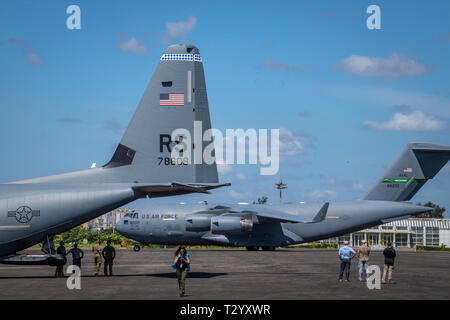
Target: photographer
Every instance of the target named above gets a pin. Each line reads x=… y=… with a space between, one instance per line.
x=182 y=264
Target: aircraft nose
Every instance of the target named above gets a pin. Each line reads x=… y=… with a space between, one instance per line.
x=120 y=226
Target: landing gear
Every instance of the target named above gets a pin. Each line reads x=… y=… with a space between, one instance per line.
x=252 y=248
x=268 y=248
x=137 y=248
x=48 y=247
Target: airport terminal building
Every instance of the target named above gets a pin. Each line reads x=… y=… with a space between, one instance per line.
x=405 y=233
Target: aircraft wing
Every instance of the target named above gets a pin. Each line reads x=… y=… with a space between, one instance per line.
x=155 y=190
x=267 y=214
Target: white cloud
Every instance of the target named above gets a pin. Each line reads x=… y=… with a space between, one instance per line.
x=241 y=176
x=115 y=127
x=357 y=186
x=391 y=68
x=415 y=121
x=224 y=168
x=181 y=29
x=430 y=103
x=292 y=143
x=321 y=194
x=332 y=181
x=33 y=58
x=134 y=46
x=239 y=195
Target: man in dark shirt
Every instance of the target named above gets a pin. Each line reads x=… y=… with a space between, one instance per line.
x=77 y=255
x=108 y=253
x=62 y=252
x=389 y=259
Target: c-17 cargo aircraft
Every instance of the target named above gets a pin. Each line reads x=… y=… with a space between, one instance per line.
x=271 y=226
x=32 y=211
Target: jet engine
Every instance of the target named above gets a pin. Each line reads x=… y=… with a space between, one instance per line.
x=198 y=222
x=230 y=225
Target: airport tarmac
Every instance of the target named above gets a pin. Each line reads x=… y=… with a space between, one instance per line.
x=233 y=274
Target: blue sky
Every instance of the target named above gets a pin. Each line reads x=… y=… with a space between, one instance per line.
x=66 y=95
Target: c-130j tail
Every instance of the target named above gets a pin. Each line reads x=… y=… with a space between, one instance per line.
x=175 y=97
x=33 y=210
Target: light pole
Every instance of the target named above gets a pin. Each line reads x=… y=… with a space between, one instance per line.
x=281 y=186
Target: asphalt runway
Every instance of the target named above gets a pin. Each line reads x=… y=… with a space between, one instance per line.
x=290 y=274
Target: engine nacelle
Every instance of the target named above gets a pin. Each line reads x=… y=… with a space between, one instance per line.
x=198 y=222
x=230 y=225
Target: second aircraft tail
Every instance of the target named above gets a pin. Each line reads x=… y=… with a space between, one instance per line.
x=417 y=163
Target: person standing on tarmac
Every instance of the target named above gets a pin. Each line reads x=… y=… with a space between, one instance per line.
x=77 y=255
x=389 y=259
x=62 y=252
x=182 y=263
x=346 y=255
x=363 y=264
x=108 y=253
x=97 y=250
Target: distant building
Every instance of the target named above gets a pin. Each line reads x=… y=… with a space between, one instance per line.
x=402 y=233
x=106 y=221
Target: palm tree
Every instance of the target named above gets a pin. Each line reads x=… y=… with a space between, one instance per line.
x=281 y=186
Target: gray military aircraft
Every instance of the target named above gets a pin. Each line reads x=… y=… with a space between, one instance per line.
x=271 y=226
x=33 y=210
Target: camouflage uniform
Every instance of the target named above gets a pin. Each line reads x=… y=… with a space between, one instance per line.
x=97 y=250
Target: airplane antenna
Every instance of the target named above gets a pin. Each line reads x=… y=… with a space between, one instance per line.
x=281 y=186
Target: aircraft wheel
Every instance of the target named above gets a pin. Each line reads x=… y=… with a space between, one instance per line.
x=136 y=248
x=269 y=248
x=252 y=248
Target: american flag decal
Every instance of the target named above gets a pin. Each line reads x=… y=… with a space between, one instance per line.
x=408 y=170
x=171 y=99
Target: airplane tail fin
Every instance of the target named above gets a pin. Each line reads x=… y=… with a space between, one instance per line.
x=417 y=163
x=175 y=98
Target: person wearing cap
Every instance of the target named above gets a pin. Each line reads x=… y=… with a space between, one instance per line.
x=182 y=263
x=346 y=255
x=363 y=264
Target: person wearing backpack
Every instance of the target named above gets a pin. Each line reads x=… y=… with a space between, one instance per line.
x=182 y=263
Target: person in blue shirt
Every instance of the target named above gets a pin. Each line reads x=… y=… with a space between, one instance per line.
x=346 y=255
x=182 y=263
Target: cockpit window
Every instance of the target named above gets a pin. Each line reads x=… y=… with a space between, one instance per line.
x=132 y=215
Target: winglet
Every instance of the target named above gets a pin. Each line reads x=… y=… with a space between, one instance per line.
x=320 y=216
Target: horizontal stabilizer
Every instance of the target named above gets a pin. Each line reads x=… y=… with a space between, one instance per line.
x=45 y=259
x=175 y=188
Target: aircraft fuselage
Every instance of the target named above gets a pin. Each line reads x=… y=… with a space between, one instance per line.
x=167 y=224
x=30 y=212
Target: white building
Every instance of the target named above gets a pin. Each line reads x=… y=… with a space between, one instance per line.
x=402 y=233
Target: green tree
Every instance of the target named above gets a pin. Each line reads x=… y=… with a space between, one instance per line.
x=438 y=212
x=261 y=200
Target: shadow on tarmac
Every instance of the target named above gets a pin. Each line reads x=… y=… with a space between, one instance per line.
x=197 y=275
